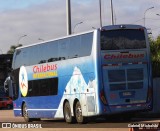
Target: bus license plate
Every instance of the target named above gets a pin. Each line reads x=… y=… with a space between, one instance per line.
x=127 y=94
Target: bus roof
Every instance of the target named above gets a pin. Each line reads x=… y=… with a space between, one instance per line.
x=43 y=42
x=109 y=27
x=122 y=26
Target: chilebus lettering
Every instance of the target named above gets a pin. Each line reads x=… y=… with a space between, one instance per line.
x=44 y=68
x=123 y=56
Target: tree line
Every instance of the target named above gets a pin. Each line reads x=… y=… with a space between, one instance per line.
x=12 y=48
x=155 y=55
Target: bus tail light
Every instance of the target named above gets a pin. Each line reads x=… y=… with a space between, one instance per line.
x=149 y=94
x=103 y=98
x=14 y=105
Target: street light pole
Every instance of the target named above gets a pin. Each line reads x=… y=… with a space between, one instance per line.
x=100 y=13
x=76 y=25
x=68 y=10
x=112 y=19
x=21 y=38
x=145 y=13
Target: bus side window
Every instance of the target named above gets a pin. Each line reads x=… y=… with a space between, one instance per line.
x=17 y=59
x=45 y=51
x=63 y=49
x=34 y=54
x=52 y=51
x=74 y=47
x=86 y=44
x=25 y=57
x=21 y=58
x=44 y=87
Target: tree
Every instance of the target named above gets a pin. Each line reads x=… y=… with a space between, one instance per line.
x=155 y=55
x=155 y=49
x=12 y=48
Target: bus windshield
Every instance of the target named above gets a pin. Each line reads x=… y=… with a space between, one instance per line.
x=123 y=39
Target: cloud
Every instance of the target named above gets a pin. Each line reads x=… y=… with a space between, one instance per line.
x=44 y=21
x=18 y=4
x=47 y=18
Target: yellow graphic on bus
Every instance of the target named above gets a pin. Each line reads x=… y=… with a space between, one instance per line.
x=45 y=71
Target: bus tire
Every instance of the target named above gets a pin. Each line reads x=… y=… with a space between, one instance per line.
x=78 y=114
x=25 y=114
x=67 y=112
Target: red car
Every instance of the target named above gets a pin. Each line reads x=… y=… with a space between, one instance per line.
x=6 y=102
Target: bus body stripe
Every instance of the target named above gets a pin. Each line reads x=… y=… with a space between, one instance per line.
x=39 y=109
x=17 y=109
x=42 y=109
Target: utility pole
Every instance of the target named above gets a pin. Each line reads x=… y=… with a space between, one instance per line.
x=100 y=13
x=68 y=10
x=112 y=19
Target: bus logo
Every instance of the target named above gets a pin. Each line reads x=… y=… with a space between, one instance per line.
x=123 y=56
x=23 y=81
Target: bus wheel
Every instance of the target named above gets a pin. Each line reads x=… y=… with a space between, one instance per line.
x=67 y=113
x=78 y=113
x=25 y=114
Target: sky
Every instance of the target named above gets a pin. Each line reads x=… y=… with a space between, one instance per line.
x=46 y=19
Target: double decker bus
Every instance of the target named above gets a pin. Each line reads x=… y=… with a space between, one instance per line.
x=97 y=73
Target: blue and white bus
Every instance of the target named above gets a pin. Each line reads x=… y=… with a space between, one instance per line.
x=101 y=72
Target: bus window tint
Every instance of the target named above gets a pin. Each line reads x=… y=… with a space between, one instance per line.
x=74 y=46
x=22 y=58
x=18 y=58
x=86 y=44
x=63 y=49
x=51 y=52
x=34 y=54
x=122 y=39
x=43 y=87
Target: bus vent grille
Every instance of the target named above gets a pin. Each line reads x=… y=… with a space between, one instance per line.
x=91 y=103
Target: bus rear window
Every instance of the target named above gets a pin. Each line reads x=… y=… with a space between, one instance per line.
x=122 y=39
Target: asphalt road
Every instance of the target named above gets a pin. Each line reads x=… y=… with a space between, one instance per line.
x=93 y=124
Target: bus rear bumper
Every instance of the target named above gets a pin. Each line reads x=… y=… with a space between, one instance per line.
x=140 y=107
